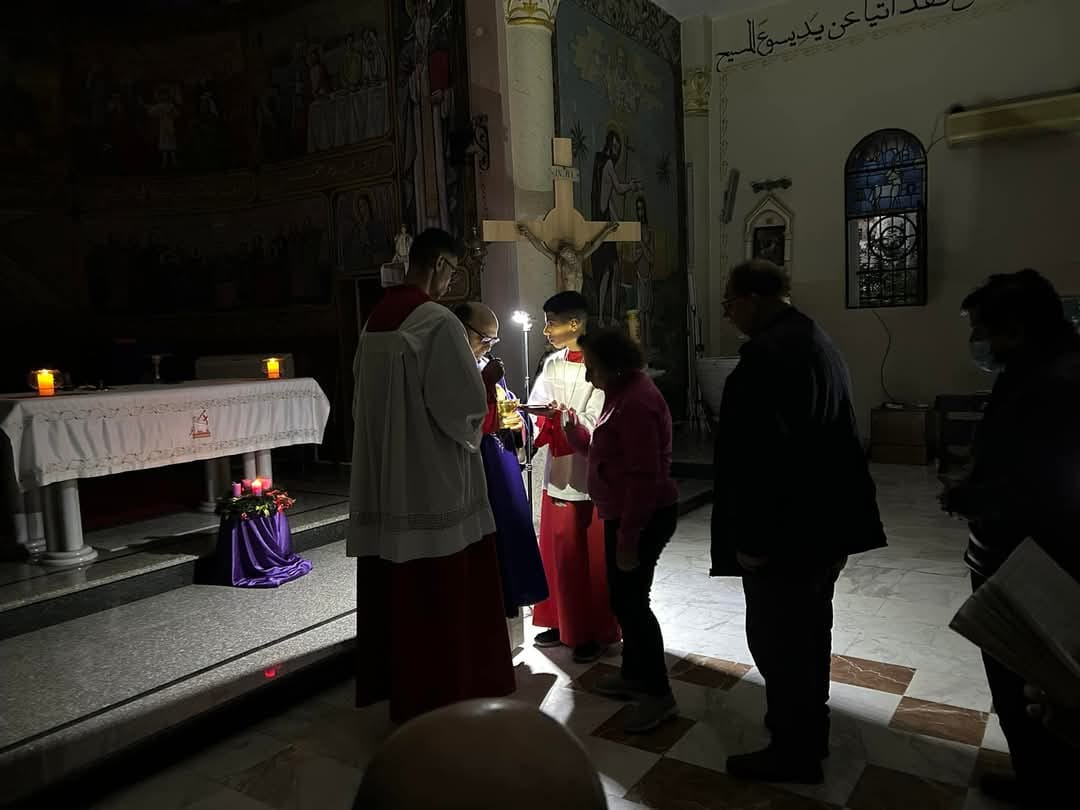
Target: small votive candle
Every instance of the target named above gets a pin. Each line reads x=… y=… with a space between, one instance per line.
x=245 y=485
x=273 y=369
x=257 y=487
x=237 y=489
x=46 y=383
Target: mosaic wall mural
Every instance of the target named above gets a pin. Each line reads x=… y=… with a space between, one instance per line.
x=619 y=100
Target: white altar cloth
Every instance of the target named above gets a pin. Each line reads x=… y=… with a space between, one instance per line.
x=96 y=433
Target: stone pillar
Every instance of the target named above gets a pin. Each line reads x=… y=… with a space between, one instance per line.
x=264 y=466
x=530 y=24
x=697 y=92
x=217 y=483
x=63 y=528
x=250 y=467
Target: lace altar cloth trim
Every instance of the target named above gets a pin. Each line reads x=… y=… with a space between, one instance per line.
x=137 y=428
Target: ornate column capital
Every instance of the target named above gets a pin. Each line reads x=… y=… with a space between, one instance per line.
x=532 y=12
x=697 y=85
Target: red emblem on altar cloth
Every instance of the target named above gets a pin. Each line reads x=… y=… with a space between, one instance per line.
x=200 y=426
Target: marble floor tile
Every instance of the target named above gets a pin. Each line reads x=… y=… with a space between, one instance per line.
x=869 y=581
x=677 y=785
x=226 y=799
x=884 y=789
x=863 y=704
x=925 y=757
x=994 y=739
x=580 y=711
x=939 y=720
x=990 y=762
x=655 y=742
x=176 y=788
x=616 y=803
x=713 y=673
x=704 y=745
x=965 y=688
x=620 y=767
x=350 y=736
x=298 y=780
x=698 y=702
x=234 y=755
x=871 y=674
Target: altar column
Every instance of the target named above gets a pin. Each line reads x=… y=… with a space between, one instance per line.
x=530 y=24
x=63 y=528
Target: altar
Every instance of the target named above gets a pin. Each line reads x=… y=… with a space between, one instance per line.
x=48 y=443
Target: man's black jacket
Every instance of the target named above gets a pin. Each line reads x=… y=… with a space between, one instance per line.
x=792 y=480
x=1025 y=480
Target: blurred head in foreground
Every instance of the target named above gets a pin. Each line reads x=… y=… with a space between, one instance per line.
x=481 y=755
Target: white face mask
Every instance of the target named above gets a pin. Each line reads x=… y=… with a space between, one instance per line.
x=983 y=356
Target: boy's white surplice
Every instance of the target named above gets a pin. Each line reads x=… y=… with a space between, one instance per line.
x=563 y=381
x=418 y=410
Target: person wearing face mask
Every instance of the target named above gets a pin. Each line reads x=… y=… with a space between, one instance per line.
x=794 y=498
x=1024 y=482
x=420 y=524
x=523 y=581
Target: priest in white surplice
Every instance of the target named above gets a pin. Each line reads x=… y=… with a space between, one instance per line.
x=430 y=623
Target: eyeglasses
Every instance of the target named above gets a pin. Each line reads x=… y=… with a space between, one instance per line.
x=486 y=340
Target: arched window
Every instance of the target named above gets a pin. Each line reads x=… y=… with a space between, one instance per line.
x=885 y=207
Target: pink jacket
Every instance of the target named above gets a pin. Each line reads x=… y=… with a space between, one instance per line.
x=629 y=456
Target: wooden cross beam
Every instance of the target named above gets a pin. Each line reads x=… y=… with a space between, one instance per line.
x=563 y=224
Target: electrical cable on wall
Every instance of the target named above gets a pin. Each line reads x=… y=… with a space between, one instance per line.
x=885 y=357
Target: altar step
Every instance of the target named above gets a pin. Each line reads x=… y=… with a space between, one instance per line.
x=152 y=557
x=84 y=690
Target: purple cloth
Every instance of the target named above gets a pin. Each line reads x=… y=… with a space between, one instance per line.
x=257 y=553
x=522 y=571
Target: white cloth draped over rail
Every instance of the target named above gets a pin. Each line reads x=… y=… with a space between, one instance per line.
x=418 y=486
x=86 y=435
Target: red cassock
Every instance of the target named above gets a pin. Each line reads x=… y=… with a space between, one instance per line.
x=430 y=632
x=572 y=548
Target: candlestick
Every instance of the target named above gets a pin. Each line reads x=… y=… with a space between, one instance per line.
x=257 y=488
x=273 y=368
x=237 y=489
x=46 y=383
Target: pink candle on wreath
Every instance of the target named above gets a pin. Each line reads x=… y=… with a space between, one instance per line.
x=267 y=484
x=237 y=489
x=257 y=488
x=245 y=485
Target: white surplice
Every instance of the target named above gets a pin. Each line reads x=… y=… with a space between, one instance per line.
x=418 y=488
x=562 y=381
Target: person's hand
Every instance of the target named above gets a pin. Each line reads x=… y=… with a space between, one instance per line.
x=1062 y=722
x=571 y=418
x=750 y=563
x=627 y=558
x=493 y=372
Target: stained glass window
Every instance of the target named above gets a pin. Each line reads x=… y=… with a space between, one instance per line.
x=885 y=207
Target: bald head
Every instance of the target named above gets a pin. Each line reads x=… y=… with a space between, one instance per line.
x=481 y=324
x=482 y=755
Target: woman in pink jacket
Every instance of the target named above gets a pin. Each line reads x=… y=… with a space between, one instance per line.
x=630 y=482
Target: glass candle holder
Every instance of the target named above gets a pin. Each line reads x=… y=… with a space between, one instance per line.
x=272 y=368
x=46 y=381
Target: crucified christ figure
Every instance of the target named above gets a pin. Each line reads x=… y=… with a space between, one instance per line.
x=569 y=272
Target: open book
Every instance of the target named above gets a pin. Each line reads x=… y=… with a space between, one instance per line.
x=1027 y=616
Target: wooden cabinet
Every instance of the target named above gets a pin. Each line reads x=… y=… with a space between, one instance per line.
x=901 y=435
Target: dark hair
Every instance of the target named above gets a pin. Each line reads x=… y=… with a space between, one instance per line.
x=429 y=246
x=760 y=277
x=1024 y=302
x=613 y=349
x=569 y=304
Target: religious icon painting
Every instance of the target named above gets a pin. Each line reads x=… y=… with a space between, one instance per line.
x=769 y=244
x=769 y=232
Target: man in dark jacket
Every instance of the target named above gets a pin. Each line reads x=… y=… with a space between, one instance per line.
x=794 y=498
x=1024 y=482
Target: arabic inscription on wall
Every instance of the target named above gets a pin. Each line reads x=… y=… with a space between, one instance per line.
x=764 y=39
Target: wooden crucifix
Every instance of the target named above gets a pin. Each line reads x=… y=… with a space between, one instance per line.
x=563 y=235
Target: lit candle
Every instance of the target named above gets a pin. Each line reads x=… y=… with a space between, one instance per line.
x=245 y=485
x=273 y=368
x=237 y=490
x=46 y=383
x=257 y=487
